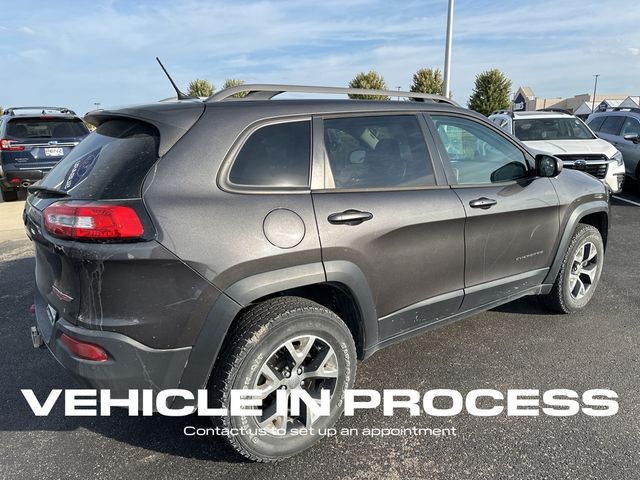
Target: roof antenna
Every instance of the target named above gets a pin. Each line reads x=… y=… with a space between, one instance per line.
x=179 y=94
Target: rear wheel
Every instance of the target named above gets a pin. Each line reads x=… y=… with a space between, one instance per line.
x=9 y=195
x=580 y=272
x=284 y=344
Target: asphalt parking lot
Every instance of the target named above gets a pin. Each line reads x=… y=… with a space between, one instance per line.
x=518 y=345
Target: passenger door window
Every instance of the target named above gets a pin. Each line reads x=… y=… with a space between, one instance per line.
x=377 y=152
x=477 y=154
x=276 y=156
x=612 y=125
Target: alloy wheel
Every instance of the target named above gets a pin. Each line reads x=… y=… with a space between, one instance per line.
x=305 y=362
x=584 y=268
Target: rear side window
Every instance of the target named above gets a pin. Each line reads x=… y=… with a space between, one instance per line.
x=110 y=163
x=377 y=152
x=53 y=128
x=276 y=155
x=612 y=125
x=596 y=123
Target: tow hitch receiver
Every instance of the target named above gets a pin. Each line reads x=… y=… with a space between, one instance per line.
x=36 y=338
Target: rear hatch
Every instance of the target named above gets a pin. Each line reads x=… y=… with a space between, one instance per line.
x=87 y=273
x=40 y=142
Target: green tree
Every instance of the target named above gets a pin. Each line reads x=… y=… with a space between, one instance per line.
x=428 y=80
x=1 y=110
x=234 y=82
x=200 y=88
x=371 y=80
x=491 y=92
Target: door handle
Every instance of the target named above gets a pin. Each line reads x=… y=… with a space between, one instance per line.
x=483 y=203
x=349 y=217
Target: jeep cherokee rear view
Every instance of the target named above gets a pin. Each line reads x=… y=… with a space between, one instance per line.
x=252 y=243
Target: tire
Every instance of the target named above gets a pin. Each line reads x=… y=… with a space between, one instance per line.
x=578 y=278
x=259 y=338
x=9 y=195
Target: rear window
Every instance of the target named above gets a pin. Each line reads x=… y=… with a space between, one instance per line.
x=110 y=163
x=25 y=128
x=612 y=125
x=275 y=156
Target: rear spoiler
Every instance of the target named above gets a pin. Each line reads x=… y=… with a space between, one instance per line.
x=172 y=120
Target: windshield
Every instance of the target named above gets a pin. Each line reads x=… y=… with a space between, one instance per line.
x=24 y=128
x=551 y=129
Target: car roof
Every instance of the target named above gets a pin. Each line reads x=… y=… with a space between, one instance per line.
x=535 y=114
x=531 y=114
x=40 y=115
x=618 y=111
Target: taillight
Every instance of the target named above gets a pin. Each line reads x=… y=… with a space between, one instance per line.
x=8 y=146
x=84 y=350
x=92 y=221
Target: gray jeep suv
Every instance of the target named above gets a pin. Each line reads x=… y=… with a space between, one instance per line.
x=254 y=243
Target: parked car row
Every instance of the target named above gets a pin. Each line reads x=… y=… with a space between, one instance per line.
x=32 y=141
x=568 y=138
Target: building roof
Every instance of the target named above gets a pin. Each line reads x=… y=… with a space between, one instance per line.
x=611 y=102
x=583 y=109
x=631 y=101
x=527 y=91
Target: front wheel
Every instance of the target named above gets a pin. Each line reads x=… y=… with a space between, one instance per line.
x=580 y=272
x=284 y=344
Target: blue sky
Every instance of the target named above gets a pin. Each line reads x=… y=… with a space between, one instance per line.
x=75 y=53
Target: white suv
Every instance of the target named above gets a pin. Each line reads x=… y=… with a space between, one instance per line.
x=568 y=138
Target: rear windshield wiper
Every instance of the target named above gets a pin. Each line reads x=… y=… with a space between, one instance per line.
x=47 y=190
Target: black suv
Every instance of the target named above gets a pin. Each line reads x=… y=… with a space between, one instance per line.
x=254 y=243
x=32 y=141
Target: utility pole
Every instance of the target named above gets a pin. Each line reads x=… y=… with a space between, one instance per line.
x=447 y=52
x=595 y=87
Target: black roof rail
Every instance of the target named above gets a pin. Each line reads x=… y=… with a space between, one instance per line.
x=267 y=92
x=502 y=112
x=555 y=110
x=622 y=109
x=12 y=110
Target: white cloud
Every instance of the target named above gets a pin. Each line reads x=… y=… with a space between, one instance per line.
x=25 y=30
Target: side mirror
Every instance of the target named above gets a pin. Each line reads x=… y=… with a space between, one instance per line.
x=633 y=137
x=548 y=165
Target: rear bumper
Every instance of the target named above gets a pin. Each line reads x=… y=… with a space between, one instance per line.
x=23 y=175
x=131 y=365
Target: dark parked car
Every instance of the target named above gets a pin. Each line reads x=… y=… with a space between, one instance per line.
x=621 y=127
x=254 y=243
x=32 y=141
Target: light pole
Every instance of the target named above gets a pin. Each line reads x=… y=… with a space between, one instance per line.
x=595 y=87
x=399 y=87
x=447 y=51
x=97 y=104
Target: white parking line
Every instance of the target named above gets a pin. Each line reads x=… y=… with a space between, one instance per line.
x=625 y=200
